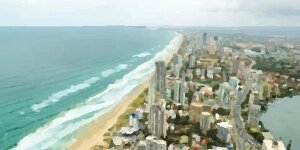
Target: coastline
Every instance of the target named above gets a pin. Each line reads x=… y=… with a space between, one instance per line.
x=280 y=111
x=93 y=134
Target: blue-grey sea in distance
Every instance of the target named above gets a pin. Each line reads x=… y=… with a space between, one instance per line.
x=45 y=71
x=282 y=119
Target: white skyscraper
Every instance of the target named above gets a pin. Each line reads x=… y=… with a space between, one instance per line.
x=223 y=95
x=157 y=123
x=151 y=94
x=177 y=91
x=182 y=88
x=205 y=121
x=160 y=76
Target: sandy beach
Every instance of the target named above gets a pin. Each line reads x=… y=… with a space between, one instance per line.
x=93 y=135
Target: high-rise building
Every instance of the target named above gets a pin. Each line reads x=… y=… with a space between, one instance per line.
x=198 y=44
x=176 y=70
x=151 y=94
x=203 y=74
x=177 y=60
x=152 y=143
x=177 y=91
x=224 y=130
x=223 y=95
x=235 y=65
x=205 y=39
x=205 y=121
x=192 y=61
x=253 y=115
x=134 y=120
x=255 y=82
x=160 y=76
x=233 y=82
x=182 y=88
x=212 y=48
x=241 y=73
x=224 y=76
x=210 y=72
x=157 y=123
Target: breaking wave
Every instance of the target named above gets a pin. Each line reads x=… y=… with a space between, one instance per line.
x=56 y=97
x=141 y=55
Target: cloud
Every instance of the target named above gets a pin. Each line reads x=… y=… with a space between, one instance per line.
x=150 y=12
x=287 y=8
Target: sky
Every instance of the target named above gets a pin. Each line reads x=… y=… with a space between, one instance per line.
x=150 y=12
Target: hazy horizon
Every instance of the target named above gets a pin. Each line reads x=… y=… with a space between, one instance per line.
x=195 y=13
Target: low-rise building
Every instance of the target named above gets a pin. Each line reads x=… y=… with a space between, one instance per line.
x=152 y=143
x=272 y=145
x=253 y=115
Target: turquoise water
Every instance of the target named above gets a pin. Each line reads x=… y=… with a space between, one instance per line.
x=282 y=119
x=45 y=71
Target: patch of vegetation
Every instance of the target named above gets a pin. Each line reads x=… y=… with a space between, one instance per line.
x=124 y=118
x=221 y=111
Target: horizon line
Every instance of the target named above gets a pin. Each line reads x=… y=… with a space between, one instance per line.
x=158 y=26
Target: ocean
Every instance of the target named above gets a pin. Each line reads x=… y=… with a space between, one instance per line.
x=282 y=119
x=55 y=80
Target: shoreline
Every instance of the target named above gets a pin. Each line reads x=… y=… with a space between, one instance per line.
x=275 y=131
x=93 y=134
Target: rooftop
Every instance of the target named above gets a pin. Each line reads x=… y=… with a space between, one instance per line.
x=269 y=145
x=225 y=124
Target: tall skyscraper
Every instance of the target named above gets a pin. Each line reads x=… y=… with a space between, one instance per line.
x=205 y=121
x=157 y=121
x=177 y=60
x=151 y=94
x=212 y=48
x=177 y=91
x=182 y=88
x=223 y=95
x=192 y=61
x=235 y=65
x=160 y=76
x=205 y=39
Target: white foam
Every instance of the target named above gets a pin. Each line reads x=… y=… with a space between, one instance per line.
x=141 y=55
x=21 y=113
x=56 y=97
x=109 y=72
x=52 y=134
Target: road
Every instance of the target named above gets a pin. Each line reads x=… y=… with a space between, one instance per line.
x=240 y=132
